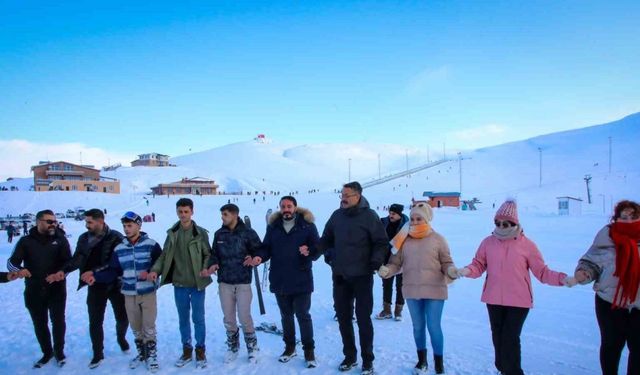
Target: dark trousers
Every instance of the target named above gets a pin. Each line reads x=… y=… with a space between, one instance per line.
x=298 y=304
x=617 y=328
x=506 y=326
x=345 y=290
x=44 y=303
x=387 y=289
x=97 y=297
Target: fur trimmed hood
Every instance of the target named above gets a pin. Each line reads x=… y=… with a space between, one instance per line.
x=300 y=211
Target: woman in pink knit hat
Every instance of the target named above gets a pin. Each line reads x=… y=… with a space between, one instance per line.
x=508 y=257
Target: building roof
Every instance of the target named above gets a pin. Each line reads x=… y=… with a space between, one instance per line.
x=440 y=194
x=567 y=197
x=152 y=153
x=42 y=164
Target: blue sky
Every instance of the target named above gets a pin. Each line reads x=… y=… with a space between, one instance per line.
x=130 y=77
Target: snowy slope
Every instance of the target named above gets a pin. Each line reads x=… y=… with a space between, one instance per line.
x=560 y=336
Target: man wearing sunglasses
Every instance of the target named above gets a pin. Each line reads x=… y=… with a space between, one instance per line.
x=93 y=251
x=360 y=244
x=39 y=254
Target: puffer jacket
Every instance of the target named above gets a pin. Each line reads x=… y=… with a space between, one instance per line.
x=229 y=249
x=599 y=262
x=290 y=272
x=508 y=263
x=357 y=238
x=424 y=263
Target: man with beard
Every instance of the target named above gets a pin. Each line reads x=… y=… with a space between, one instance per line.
x=290 y=244
x=37 y=256
x=93 y=252
x=359 y=243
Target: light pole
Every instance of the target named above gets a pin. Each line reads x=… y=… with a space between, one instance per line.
x=540 y=157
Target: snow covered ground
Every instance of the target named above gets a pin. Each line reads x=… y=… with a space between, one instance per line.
x=559 y=337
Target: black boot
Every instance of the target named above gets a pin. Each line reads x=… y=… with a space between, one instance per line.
x=141 y=357
x=421 y=366
x=289 y=352
x=151 y=352
x=437 y=359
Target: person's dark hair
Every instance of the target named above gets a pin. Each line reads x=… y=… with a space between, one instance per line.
x=41 y=214
x=623 y=205
x=355 y=186
x=231 y=208
x=94 y=213
x=185 y=202
x=290 y=198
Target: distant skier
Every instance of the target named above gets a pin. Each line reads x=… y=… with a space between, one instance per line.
x=10 y=232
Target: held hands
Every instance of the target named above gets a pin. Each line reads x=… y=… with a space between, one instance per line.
x=55 y=277
x=24 y=273
x=204 y=273
x=143 y=275
x=304 y=250
x=581 y=276
x=12 y=276
x=87 y=276
x=152 y=276
x=251 y=262
x=452 y=272
x=383 y=271
x=212 y=270
x=458 y=272
x=569 y=281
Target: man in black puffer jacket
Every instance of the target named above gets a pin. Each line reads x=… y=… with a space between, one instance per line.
x=93 y=252
x=290 y=243
x=359 y=243
x=37 y=256
x=234 y=246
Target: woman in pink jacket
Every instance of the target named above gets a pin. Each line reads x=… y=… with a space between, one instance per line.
x=507 y=256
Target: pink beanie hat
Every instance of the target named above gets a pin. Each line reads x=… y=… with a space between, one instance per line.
x=508 y=211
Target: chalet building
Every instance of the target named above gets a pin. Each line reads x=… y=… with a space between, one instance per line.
x=151 y=160
x=570 y=206
x=64 y=176
x=442 y=199
x=186 y=186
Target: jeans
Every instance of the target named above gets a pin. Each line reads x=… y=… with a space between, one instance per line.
x=345 y=290
x=506 y=326
x=298 y=304
x=97 y=297
x=387 y=289
x=190 y=299
x=427 y=312
x=617 y=328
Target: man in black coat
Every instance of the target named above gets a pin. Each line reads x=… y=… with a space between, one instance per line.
x=93 y=252
x=37 y=256
x=359 y=243
x=290 y=243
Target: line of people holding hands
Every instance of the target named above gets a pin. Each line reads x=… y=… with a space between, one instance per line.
x=126 y=270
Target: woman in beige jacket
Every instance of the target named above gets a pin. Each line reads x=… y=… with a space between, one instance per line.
x=422 y=255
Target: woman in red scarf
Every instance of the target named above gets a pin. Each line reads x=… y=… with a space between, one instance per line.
x=613 y=262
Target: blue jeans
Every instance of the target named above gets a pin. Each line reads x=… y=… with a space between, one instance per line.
x=427 y=312
x=190 y=299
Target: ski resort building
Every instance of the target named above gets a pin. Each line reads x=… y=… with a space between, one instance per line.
x=65 y=176
x=151 y=160
x=443 y=199
x=186 y=186
x=569 y=206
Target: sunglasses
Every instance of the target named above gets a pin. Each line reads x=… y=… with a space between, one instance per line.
x=504 y=224
x=50 y=222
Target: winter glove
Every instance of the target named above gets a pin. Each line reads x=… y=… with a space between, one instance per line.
x=383 y=272
x=452 y=272
x=570 y=282
x=463 y=272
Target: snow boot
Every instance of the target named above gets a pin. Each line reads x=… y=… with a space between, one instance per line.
x=421 y=366
x=438 y=364
x=367 y=368
x=385 y=313
x=347 y=364
x=233 y=345
x=251 y=341
x=201 y=357
x=152 y=356
x=43 y=361
x=140 y=358
x=398 y=313
x=310 y=358
x=96 y=360
x=61 y=359
x=186 y=357
x=289 y=352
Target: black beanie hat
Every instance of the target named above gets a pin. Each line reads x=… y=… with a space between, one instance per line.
x=397 y=208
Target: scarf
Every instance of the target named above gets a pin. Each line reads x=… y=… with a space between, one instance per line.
x=626 y=236
x=408 y=230
x=507 y=233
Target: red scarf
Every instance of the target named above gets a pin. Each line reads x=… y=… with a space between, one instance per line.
x=626 y=236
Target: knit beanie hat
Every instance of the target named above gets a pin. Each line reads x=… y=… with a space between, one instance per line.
x=424 y=210
x=508 y=212
x=397 y=208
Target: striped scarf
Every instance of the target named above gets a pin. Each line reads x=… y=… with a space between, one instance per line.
x=408 y=230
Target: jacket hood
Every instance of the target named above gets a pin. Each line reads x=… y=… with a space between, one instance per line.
x=306 y=214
